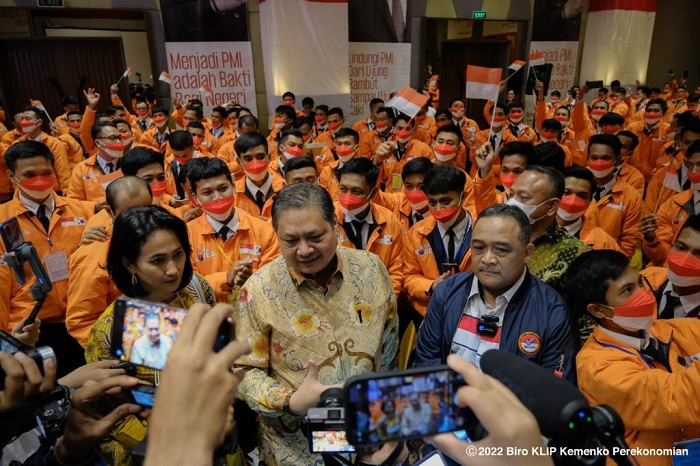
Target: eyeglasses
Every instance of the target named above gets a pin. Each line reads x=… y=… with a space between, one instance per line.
x=112 y=138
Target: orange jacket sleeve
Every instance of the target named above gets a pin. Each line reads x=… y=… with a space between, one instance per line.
x=540 y=114
x=86 y=129
x=579 y=117
x=484 y=192
x=631 y=235
x=416 y=284
x=487 y=110
x=61 y=164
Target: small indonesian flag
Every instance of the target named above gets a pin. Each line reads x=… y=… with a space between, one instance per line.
x=433 y=80
x=206 y=89
x=482 y=83
x=536 y=59
x=516 y=65
x=165 y=77
x=408 y=101
x=40 y=106
x=127 y=72
x=671 y=178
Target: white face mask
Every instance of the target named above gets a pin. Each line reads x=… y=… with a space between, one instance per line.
x=516 y=121
x=161 y=124
x=681 y=281
x=279 y=125
x=257 y=176
x=28 y=129
x=602 y=173
x=651 y=121
x=458 y=114
x=568 y=216
x=403 y=140
x=115 y=154
x=528 y=209
x=346 y=158
x=497 y=124
x=633 y=324
x=420 y=206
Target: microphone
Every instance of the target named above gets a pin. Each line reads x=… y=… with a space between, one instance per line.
x=562 y=412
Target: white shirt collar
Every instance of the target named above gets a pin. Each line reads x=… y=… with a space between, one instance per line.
x=232 y=224
x=607 y=187
x=688 y=302
x=265 y=188
x=575 y=227
x=369 y=219
x=635 y=342
x=39 y=138
x=33 y=207
x=459 y=229
x=508 y=295
x=103 y=163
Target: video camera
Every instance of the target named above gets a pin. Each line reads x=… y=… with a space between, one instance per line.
x=325 y=424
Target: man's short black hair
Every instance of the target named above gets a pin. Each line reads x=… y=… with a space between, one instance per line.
x=586 y=280
x=291 y=132
x=549 y=154
x=554 y=177
x=632 y=136
x=450 y=128
x=612 y=118
x=375 y=101
x=307 y=101
x=660 y=102
x=26 y=150
x=138 y=157
x=609 y=140
x=361 y=166
x=416 y=166
x=523 y=149
x=196 y=125
x=443 y=179
x=199 y=113
x=552 y=124
x=297 y=163
x=159 y=109
x=247 y=141
x=336 y=111
x=287 y=111
x=344 y=132
x=203 y=168
x=220 y=110
x=576 y=171
x=180 y=140
x=506 y=210
x=289 y=94
x=96 y=129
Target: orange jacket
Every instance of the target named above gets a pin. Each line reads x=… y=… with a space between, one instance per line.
x=649 y=146
x=326 y=138
x=424 y=129
x=61 y=163
x=670 y=218
x=327 y=179
x=254 y=238
x=482 y=137
x=73 y=149
x=669 y=152
x=621 y=108
x=420 y=267
x=149 y=139
x=369 y=142
x=391 y=168
x=227 y=153
x=657 y=193
x=584 y=127
x=65 y=231
x=620 y=212
x=361 y=126
x=6 y=186
x=90 y=289
x=597 y=238
x=632 y=177
x=385 y=241
x=485 y=193
x=657 y=407
x=246 y=203
x=88 y=183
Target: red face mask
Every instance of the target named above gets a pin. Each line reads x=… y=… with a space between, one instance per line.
x=182 y=160
x=219 y=206
x=515 y=114
x=344 y=151
x=38 y=183
x=319 y=118
x=142 y=113
x=126 y=136
x=403 y=134
x=74 y=125
x=294 y=151
x=446 y=214
x=382 y=125
x=444 y=149
x=197 y=140
x=551 y=135
x=507 y=179
x=334 y=125
x=609 y=129
x=600 y=165
x=157 y=188
x=694 y=177
x=278 y=120
x=599 y=111
x=561 y=118
x=416 y=196
x=351 y=201
x=573 y=204
x=256 y=166
x=160 y=119
x=117 y=146
x=27 y=124
x=683 y=269
x=216 y=125
x=499 y=119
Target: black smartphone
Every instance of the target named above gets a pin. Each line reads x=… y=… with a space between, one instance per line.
x=143 y=395
x=143 y=333
x=450 y=267
x=11 y=345
x=594 y=84
x=404 y=405
x=11 y=234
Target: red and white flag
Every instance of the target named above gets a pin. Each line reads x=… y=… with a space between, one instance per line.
x=408 y=101
x=165 y=77
x=671 y=178
x=127 y=72
x=516 y=65
x=40 y=106
x=483 y=83
x=536 y=59
x=206 y=89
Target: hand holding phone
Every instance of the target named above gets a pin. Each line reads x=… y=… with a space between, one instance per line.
x=451 y=267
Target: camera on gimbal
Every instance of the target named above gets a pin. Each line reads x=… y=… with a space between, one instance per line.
x=325 y=424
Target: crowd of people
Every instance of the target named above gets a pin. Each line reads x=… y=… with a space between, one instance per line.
x=342 y=250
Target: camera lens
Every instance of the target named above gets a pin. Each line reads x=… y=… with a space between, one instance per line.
x=331 y=398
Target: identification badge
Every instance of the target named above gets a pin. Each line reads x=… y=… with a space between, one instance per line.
x=56 y=266
x=105 y=180
x=396 y=181
x=686 y=453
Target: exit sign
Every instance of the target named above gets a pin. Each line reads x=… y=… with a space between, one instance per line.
x=478 y=15
x=50 y=3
